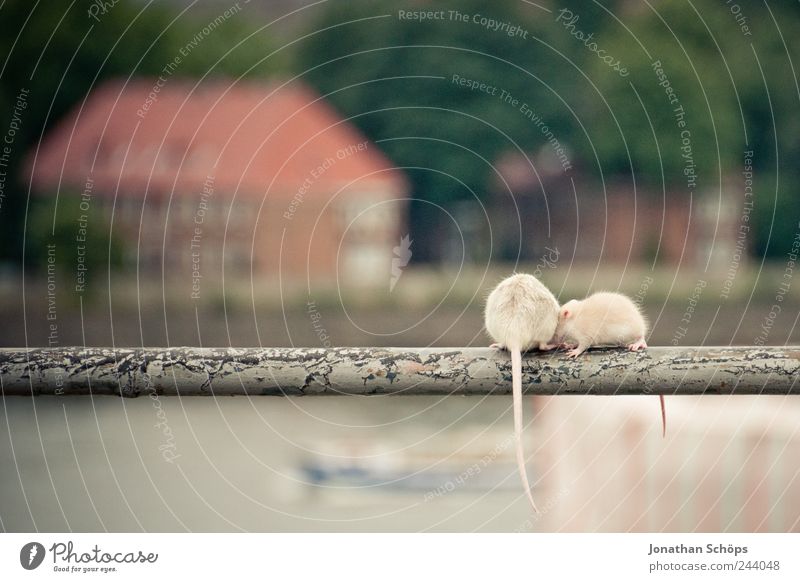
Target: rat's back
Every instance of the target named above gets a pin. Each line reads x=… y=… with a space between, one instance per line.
x=521 y=311
x=611 y=318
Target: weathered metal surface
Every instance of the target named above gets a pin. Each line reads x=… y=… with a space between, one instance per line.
x=132 y=372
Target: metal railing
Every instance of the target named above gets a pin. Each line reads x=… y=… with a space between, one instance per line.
x=188 y=371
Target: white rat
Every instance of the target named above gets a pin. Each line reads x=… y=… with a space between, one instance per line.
x=604 y=319
x=521 y=314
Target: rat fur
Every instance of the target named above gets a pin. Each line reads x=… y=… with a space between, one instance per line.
x=521 y=314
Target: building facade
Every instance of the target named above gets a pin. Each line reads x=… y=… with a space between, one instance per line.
x=197 y=179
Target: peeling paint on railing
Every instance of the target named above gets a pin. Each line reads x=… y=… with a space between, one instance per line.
x=188 y=371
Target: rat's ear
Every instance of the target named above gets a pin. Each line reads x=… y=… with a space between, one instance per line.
x=566 y=313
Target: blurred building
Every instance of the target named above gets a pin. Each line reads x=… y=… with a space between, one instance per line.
x=536 y=206
x=197 y=176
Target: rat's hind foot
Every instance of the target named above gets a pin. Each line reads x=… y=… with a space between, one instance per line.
x=567 y=346
x=639 y=344
x=574 y=353
x=496 y=347
x=545 y=347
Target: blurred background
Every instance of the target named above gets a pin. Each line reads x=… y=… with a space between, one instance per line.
x=296 y=173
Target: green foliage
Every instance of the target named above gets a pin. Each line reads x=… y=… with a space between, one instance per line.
x=371 y=62
x=704 y=103
x=712 y=66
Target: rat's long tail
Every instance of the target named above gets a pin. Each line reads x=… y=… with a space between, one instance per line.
x=516 y=385
x=663 y=416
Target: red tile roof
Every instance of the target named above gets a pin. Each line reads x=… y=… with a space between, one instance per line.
x=252 y=137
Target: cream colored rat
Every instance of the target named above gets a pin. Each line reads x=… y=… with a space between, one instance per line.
x=603 y=319
x=521 y=314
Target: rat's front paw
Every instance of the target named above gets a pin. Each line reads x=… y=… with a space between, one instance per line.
x=637 y=345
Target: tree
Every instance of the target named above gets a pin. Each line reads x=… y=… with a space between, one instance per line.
x=714 y=67
x=371 y=62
